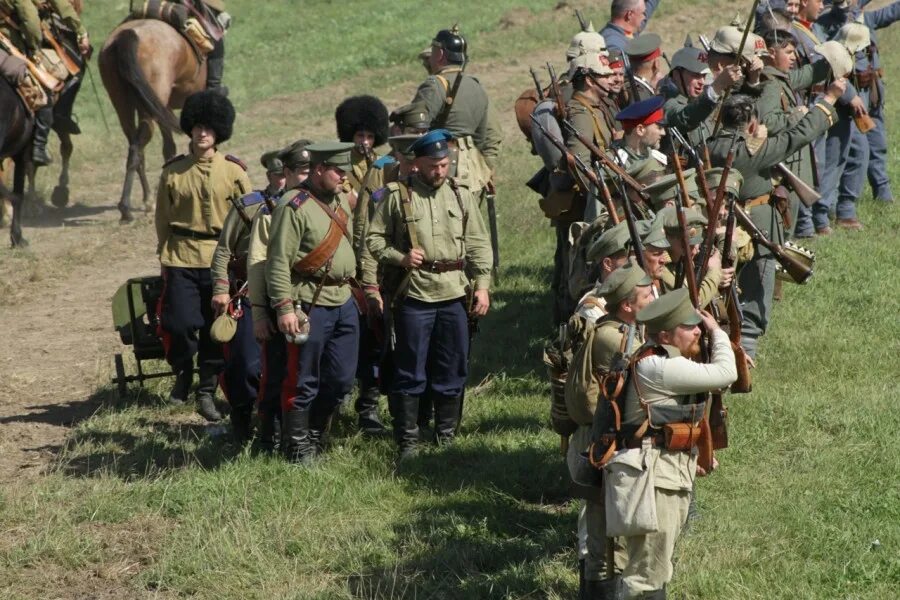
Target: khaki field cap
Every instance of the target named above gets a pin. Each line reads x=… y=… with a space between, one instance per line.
x=585 y=42
x=335 y=154
x=668 y=312
x=612 y=241
x=656 y=237
x=732 y=185
x=621 y=283
x=591 y=63
x=838 y=57
x=690 y=59
x=693 y=219
x=666 y=188
x=854 y=36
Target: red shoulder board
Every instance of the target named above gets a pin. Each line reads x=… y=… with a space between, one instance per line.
x=236 y=161
x=301 y=197
x=173 y=159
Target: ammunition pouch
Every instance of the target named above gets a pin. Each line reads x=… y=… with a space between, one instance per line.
x=781 y=201
x=681 y=436
x=49 y=60
x=864 y=79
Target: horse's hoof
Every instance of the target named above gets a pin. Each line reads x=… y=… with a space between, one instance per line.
x=60 y=196
x=127 y=217
x=19 y=243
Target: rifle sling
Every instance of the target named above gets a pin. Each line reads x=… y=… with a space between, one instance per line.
x=598 y=132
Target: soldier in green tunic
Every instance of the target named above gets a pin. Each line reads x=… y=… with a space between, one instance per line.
x=754 y=157
x=310 y=266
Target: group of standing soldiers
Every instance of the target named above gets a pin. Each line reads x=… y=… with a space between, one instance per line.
x=675 y=187
x=347 y=265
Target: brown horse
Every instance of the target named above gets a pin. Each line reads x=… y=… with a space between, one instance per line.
x=15 y=143
x=148 y=69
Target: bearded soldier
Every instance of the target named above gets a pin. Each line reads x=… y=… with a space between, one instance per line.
x=310 y=267
x=428 y=234
x=195 y=193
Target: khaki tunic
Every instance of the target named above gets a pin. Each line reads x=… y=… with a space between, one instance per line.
x=234 y=241
x=298 y=226
x=27 y=37
x=438 y=221
x=67 y=13
x=195 y=194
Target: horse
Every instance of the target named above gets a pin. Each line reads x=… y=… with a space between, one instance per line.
x=15 y=143
x=148 y=69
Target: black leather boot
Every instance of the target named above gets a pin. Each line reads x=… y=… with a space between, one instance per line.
x=319 y=426
x=206 y=395
x=446 y=418
x=366 y=406
x=405 y=412
x=268 y=436
x=296 y=441
x=605 y=589
x=43 y=121
x=215 y=69
x=582 y=582
x=184 y=377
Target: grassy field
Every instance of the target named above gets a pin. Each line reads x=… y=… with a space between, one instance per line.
x=145 y=501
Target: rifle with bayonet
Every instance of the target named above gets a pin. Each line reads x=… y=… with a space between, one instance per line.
x=556 y=93
x=576 y=165
x=744 y=382
x=491 y=196
x=608 y=163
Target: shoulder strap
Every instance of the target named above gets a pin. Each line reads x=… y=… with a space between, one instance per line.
x=236 y=160
x=175 y=158
x=442 y=116
x=338 y=217
x=598 y=132
x=406 y=206
x=465 y=214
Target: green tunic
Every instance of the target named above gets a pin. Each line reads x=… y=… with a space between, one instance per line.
x=27 y=37
x=299 y=225
x=234 y=241
x=447 y=227
x=756 y=166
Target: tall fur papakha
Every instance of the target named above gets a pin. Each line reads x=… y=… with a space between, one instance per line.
x=362 y=113
x=210 y=109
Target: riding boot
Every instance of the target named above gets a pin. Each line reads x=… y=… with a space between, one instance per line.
x=426 y=413
x=319 y=426
x=268 y=436
x=183 y=379
x=215 y=69
x=206 y=395
x=366 y=407
x=405 y=412
x=605 y=589
x=43 y=121
x=446 y=418
x=296 y=442
x=582 y=582
x=242 y=425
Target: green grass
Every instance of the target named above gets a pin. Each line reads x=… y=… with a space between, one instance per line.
x=146 y=502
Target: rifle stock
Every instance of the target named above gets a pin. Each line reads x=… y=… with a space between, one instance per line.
x=807 y=194
x=556 y=92
x=744 y=382
x=606 y=161
x=799 y=272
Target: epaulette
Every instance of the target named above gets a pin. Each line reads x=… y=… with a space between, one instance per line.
x=236 y=160
x=252 y=198
x=379 y=194
x=174 y=159
x=301 y=197
x=384 y=161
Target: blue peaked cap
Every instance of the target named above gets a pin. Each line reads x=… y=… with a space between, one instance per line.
x=434 y=144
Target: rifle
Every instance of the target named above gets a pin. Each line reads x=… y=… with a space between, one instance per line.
x=442 y=116
x=740 y=55
x=681 y=202
x=44 y=78
x=68 y=61
x=799 y=272
x=807 y=194
x=556 y=94
x=537 y=85
x=608 y=163
x=491 y=196
x=577 y=165
x=581 y=21
x=744 y=383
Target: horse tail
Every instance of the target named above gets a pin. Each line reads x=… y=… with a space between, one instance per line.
x=130 y=71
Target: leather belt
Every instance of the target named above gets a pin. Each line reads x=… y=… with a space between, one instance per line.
x=758 y=201
x=443 y=266
x=329 y=281
x=864 y=78
x=194 y=235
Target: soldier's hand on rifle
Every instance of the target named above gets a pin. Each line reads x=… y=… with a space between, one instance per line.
x=289 y=324
x=727 y=78
x=859 y=107
x=835 y=90
x=84 y=45
x=709 y=322
x=262 y=330
x=481 y=304
x=219 y=303
x=727 y=278
x=414 y=259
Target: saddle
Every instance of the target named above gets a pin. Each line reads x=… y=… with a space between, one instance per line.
x=196 y=24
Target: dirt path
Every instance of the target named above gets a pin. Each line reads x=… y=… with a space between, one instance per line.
x=58 y=340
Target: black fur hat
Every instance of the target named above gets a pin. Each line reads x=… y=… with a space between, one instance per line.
x=211 y=109
x=362 y=113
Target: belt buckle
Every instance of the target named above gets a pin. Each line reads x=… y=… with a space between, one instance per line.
x=433 y=267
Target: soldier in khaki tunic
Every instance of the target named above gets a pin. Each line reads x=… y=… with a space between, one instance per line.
x=463 y=109
x=625 y=291
x=428 y=236
x=240 y=380
x=194 y=196
x=666 y=377
x=294 y=161
x=310 y=263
